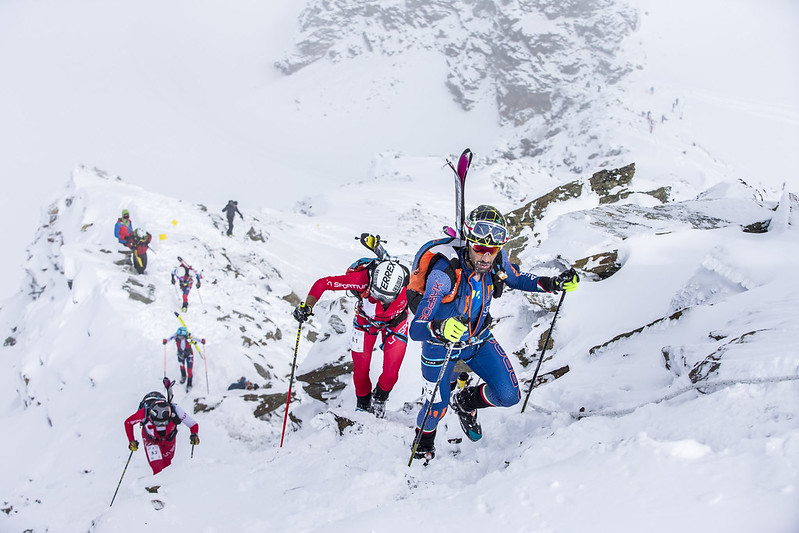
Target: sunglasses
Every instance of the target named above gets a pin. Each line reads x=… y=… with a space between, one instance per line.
x=480 y=249
x=125 y=216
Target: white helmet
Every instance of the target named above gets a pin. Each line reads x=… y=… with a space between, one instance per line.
x=388 y=280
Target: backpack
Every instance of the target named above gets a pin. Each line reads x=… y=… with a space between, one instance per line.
x=364 y=263
x=445 y=248
x=147 y=402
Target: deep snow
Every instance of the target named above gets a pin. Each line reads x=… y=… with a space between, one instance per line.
x=654 y=453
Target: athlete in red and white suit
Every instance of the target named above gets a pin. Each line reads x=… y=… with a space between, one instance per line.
x=372 y=318
x=159 y=445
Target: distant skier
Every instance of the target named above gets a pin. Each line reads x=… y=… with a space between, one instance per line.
x=476 y=269
x=230 y=210
x=185 y=276
x=382 y=309
x=159 y=419
x=123 y=227
x=139 y=242
x=183 y=343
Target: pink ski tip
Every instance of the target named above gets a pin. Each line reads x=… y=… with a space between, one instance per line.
x=464 y=162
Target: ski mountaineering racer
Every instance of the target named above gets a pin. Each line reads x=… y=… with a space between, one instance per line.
x=159 y=419
x=183 y=341
x=382 y=309
x=454 y=311
x=183 y=274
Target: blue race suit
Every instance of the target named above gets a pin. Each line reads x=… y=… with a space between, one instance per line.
x=478 y=347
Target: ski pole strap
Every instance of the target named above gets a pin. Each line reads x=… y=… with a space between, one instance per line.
x=380 y=324
x=462 y=345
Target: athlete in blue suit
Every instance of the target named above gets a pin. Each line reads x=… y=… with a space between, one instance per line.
x=455 y=309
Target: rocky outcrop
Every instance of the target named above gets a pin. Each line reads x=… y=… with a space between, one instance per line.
x=537 y=59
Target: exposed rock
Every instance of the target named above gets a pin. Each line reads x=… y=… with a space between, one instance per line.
x=539 y=60
x=600 y=266
x=139 y=292
x=324 y=381
x=266 y=402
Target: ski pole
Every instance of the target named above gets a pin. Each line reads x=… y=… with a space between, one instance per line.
x=541 y=358
x=430 y=402
x=165 y=359
x=207 y=387
x=199 y=294
x=291 y=379
x=120 y=479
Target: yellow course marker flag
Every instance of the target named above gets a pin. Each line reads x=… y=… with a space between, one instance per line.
x=162 y=236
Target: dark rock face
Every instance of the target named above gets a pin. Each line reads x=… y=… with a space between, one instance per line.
x=537 y=59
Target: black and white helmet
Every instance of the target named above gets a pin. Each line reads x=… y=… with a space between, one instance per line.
x=387 y=281
x=160 y=413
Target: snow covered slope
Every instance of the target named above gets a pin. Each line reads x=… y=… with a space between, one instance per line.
x=679 y=412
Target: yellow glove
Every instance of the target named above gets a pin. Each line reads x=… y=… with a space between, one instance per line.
x=134 y=445
x=453 y=329
x=567 y=281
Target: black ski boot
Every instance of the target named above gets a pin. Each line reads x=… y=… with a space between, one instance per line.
x=364 y=403
x=464 y=402
x=188 y=385
x=426 y=449
x=379 y=399
x=182 y=376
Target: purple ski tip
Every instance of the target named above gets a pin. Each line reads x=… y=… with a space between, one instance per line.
x=464 y=162
x=450 y=231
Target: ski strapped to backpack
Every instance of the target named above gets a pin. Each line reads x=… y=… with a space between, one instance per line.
x=447 y=247
x=373 y=243
x=189 y=268
x=369 y=264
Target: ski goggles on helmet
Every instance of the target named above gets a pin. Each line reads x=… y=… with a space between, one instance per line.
x=487 y=233
x=483 y=249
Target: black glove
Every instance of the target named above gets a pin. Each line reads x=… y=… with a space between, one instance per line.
x=198 y=284
x=172 y=281
x=194 y=439
x=565 y=281
x=302 y=312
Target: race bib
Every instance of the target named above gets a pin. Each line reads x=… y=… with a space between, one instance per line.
x=427 y=391
x=356 y=342
x=153 y=452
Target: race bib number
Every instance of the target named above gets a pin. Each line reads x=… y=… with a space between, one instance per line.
x=356 y=343
x=427 y=391
x=154 y=452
